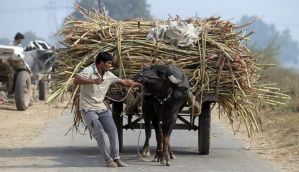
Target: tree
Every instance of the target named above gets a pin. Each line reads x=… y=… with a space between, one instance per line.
x=289 y=50
x=126 y=9
x=117 y=9
x=268 y=40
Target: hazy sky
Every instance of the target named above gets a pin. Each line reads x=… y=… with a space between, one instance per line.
x=41 y=17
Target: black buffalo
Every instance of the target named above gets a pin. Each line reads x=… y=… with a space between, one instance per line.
x=166 y=90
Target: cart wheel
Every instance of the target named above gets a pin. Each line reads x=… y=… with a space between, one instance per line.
x=23 y=90
x=41 y=90
x=117 y=108
x=204 y=129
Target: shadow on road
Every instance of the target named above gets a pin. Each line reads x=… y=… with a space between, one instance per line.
x=73 y=156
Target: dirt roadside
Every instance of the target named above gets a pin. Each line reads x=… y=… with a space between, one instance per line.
x=278 y=141
x=18 y=128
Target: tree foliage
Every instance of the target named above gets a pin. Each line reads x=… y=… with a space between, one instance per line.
x=117 y=9
x=126 y=9
x=272 y=42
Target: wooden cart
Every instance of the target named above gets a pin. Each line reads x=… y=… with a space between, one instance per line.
x=15 y=75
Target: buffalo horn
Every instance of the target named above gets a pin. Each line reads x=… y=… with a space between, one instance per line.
x=174 y=79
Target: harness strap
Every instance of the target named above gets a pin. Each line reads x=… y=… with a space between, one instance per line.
x=161 y=101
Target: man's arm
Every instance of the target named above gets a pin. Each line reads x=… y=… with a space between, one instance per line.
x=128 y=83
x=78 y=80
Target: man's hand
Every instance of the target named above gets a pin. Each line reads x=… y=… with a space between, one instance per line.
x=98 y=80
x=137 y=84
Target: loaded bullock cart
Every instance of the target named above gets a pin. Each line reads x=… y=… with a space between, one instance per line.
x=15 y=75
x=211 y=52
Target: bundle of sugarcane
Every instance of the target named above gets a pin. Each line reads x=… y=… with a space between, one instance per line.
x=218 y=63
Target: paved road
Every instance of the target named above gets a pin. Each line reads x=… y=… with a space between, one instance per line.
x=53 y=151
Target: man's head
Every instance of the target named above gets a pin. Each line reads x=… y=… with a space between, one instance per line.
x=18 y=38
x=104 y=61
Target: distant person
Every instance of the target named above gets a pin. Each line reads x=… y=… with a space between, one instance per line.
x=18 y=40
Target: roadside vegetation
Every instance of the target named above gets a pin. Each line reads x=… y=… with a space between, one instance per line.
x=279 y=140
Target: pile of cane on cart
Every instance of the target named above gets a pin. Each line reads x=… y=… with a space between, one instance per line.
x=218 y=63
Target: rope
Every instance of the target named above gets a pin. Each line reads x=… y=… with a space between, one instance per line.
x=137 y=147
x=122 y=98
x=141 y=116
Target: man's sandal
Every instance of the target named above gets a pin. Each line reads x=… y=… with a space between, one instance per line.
x=120 y=163
x=111 y=163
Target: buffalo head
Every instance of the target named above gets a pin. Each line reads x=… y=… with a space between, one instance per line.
x=39 y=60
x=158 y=78
x=47 y=57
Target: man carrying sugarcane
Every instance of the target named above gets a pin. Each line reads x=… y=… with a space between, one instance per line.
x=94 y=83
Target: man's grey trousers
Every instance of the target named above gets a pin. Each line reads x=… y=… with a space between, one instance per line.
x=100 y=124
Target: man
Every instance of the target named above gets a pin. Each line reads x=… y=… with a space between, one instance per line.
x=95 y=81
x=18 y=40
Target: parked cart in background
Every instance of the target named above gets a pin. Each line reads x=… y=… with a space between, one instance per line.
x=20 y=69
x=15 y=75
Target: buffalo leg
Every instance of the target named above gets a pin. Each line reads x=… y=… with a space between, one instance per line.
x=159 y=137
x=171 y=154
x=167 y=129
x=148 y=133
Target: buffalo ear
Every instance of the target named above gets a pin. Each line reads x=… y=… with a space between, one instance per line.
x=173 y=79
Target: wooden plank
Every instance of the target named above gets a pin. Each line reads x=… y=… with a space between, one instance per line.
x=176 y=126
x=6 y=51
x=4 y=58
